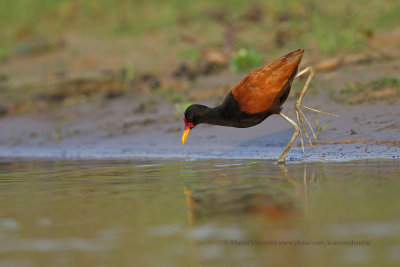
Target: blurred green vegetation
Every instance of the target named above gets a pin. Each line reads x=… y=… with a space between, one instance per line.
x=245 y=59
x=319 y=129
x=156 y=36
x=330 y=26
x=180 y=108
x=382 y=88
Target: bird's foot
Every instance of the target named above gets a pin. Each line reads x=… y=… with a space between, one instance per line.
x=319 y=111
x=303 y=131
x=301 y=118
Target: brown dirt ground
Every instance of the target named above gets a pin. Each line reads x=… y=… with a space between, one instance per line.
x=142 y=121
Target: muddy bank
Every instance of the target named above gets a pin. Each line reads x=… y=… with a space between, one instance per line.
x=361 y=132
x=150 y=125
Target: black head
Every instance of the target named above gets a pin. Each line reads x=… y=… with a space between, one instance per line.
x=194 y=114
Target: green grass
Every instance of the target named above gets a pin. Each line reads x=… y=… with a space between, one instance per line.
x=180 y=108
x=3 y=53
x=330 y=26
x=156 y=29
x=319 y=129
x=245 y=59
x=382 y=88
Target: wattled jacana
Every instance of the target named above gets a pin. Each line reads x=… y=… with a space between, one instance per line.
x=256 y=97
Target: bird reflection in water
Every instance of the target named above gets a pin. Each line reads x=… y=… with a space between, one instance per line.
x=275 y=201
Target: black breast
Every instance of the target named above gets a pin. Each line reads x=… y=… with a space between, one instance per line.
x=230 y=114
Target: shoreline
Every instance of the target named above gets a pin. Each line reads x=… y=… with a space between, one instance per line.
x=324 y=153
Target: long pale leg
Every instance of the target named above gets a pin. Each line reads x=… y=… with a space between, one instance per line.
x=299 y=114
x=301 y=135
x=295 y=134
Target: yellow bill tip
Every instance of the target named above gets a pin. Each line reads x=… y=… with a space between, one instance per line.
x=185 y=135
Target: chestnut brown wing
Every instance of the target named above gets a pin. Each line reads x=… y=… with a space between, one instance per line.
x=256 y=92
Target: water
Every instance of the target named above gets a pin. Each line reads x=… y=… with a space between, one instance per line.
x=199 y=213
